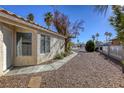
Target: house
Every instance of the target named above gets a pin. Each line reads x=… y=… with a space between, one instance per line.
x=115 y=41
x=24 y=43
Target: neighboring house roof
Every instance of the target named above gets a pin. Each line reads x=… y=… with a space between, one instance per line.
x=35 y=25
x=113 y=39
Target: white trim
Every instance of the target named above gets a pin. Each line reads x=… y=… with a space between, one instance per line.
x=7 y=70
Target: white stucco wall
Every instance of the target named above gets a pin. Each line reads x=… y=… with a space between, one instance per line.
x=1 y=52
x=56 y=46
x=6 y=47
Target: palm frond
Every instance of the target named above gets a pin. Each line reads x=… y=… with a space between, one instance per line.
x=101 y=9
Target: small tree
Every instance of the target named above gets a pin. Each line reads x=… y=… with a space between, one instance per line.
x=90 y=46
x=64 y=27
x=30 y=17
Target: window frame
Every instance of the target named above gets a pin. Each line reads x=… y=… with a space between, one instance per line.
x=45 y=36
x=24 y=42
x=41 y=44
x=47 y=39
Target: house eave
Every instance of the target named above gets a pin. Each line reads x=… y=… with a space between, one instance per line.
x=18 y=22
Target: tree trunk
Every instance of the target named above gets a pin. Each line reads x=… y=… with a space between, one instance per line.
x=66 y=44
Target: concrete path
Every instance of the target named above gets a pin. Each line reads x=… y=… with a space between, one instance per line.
x=41 y=68
x=34 y=82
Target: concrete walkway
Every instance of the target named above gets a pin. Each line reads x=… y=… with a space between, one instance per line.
x=41 y=68
x=34 y=82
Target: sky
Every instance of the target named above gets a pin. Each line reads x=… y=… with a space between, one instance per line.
x=93 y=22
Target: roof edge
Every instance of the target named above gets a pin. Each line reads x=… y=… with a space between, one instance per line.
x=18 y=19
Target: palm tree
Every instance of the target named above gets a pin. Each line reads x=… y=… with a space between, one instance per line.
x=62 y=23
x=30 y=17
x=97 y=35
x=109 y=35
x=106 y=34
x=48 y=19
x=101 y=8
x=77 y=27
x=93 y=37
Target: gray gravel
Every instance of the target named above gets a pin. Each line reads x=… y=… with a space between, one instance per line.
x=84 y=70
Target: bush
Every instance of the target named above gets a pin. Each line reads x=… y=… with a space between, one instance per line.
x=122 y=62
x=90 y=46
x=59 y=56
x=69 y=45
x=64 y=54
x=96 y=49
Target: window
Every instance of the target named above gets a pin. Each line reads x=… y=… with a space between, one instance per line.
x=42 y=44
x=23 y=44
x=45 y=44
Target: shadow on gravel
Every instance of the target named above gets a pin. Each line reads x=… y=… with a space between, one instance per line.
x=112 y=61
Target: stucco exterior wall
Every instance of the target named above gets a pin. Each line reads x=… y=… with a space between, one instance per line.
x=56 y=46
x=6 y=47
x=1 y=52
x=27 y=60
x=8 y=29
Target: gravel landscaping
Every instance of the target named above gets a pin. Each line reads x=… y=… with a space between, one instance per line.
x=85 y=70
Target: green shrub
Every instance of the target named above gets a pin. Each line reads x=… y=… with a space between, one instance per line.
x=59 y=56
x=64 y=54
x=122 y=62
x=90 y=46
x=69 y=45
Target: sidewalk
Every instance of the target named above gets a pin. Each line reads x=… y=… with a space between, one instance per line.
x=41 y=68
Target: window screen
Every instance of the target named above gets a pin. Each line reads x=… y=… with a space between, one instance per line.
x=23 y=44
x=45 y=44
x=42 y=44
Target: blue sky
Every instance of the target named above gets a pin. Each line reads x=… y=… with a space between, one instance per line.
x=94 y=22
